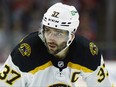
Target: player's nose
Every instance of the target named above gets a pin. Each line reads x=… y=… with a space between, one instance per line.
x=52 y=37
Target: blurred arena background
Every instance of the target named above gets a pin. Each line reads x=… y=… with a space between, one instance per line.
x=97 y=23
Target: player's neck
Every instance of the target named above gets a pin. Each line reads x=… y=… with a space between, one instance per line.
x=62 y=54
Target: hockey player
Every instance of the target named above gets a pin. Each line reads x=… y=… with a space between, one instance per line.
x=55 y=56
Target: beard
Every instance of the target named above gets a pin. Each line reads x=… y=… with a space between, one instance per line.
x=54 y=48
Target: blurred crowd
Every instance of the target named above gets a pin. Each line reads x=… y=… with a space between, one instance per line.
x=20 y=17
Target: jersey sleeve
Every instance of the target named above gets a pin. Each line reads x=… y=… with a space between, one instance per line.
x=15 y=71
x=11 y=76
x=99 y=77
x=93 y=69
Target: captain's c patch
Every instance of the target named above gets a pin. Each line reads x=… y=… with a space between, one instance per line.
x=25 y=49
x=93 y=48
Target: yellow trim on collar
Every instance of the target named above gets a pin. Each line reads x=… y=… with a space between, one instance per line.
x=79 y=67
x=70 y=64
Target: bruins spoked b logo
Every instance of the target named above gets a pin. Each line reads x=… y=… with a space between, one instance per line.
x=25 y=49
x=93 y=48
x=59 y=85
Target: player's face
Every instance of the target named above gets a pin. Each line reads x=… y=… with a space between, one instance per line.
x=56 y=39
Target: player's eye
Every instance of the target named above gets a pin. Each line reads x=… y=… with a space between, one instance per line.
x=47 y=30
x=60 y=34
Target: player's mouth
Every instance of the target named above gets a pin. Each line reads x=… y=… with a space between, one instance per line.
x=52 y=45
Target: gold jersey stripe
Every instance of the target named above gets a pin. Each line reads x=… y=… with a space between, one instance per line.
x=42 y=67
x=79 y=67
x=70 y=64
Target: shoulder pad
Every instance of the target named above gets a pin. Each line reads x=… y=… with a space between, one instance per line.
x=87 y=53
x=28 y=53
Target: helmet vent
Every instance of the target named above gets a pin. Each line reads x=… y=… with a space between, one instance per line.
x=69 y=22
x=55 y=25
x=74 y=30
x=63 y=22
x=45 y=19
x=64 y=25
